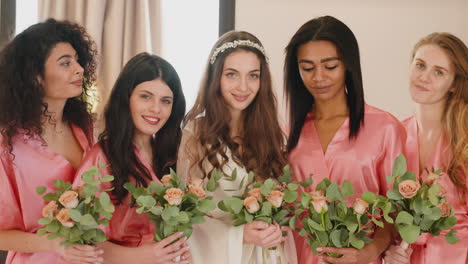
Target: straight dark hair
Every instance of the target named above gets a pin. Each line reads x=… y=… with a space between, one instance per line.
x=300 y=101
x=117 y=138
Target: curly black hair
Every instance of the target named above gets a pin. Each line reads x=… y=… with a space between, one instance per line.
x=22 y=61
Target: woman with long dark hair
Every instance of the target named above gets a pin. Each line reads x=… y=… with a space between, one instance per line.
x=438 y=138
x=45 y=130
x=139 y=144
x=233 y=125
x=333 y=133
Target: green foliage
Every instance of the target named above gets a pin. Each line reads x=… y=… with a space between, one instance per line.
x=339 y=225
x=268 y=211
x=171 y=218
x=93 y=208
x=420 y=212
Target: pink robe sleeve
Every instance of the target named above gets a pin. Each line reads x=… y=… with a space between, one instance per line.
x=393 y=144
x=10 y=213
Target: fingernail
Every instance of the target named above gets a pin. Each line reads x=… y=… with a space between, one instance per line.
x=319 y=249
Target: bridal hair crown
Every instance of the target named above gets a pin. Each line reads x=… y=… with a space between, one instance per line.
x=234 y=44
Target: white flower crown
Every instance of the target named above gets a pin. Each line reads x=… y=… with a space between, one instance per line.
x=234 y=44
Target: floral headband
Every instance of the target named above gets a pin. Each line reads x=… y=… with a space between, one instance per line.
x=234 y=44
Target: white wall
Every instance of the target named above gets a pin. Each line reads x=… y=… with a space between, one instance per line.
x=386 y=32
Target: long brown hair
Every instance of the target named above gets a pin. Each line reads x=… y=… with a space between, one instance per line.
x=455 y=118
x=262 y=138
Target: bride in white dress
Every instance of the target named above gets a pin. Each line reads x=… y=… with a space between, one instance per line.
x=233 y=125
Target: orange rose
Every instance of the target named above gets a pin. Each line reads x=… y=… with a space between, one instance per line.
x=251 y=204
x=442 y=191
x=255 y=192
x=432 y=178
x=317 y=193
x=64 y=218
x=196 y=181
x=166 y=180
x=319 y=201
x=197 y=190
x=79 y=190
x=174 y=196
x=275 y=198
x=360 y=206
x=409 y=188
x=69 y=199
x=50 y=209
x=445 y=208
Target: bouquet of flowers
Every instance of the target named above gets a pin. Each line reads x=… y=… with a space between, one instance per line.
x=266 y=201
x=76 y=214
x=420 y=205
x=328 y=221
x=174 y=206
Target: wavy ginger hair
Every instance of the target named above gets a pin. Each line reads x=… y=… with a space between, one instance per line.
x=455 y=118
x=262 y=138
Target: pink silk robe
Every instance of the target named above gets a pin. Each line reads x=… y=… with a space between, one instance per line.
x=429 y=249
x=34 y=165
x=363 y=161
x=127 y=227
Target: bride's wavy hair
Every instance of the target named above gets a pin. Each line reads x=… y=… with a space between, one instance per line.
x=263 y=141
x=455 y=119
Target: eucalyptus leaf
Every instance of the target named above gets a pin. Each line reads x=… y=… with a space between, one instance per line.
x=41 y=190
x=147 y=201
x=307 y=182
x=394 y=195
x=333 y=192
x=75 y=215
x=369 y=197
x=45 y=221
x=206 y=205
x=290 y=196
x=404 y=218
x=347 y=189
x=409 y=233
x=314 y=225
x=335 y=237
x=399 y=166
x=355 y=242
x=266 y=209
x=451 y=238
x=88 y=220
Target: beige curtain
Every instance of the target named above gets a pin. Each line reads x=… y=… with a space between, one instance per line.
x=120 y=28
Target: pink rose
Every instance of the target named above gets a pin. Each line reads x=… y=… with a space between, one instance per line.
x=64 y=218
x=166 y=180
x=445 y=208
x=409 y=188
x=69 y=199
x=50 y=209
x=360 y=206
x=432 y=178
x=255 y=192
x=174 y=196
x=275 y=198
x=251 y=204
x=319 y=201
x=197 y=190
